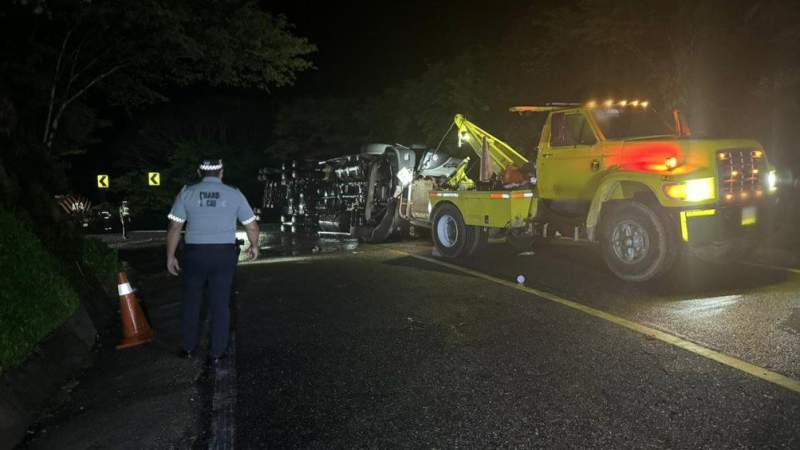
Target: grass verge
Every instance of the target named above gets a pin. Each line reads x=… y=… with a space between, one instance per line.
x=35 y=297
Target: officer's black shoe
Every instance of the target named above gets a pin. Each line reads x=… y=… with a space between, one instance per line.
x=217 y=361
x=185 y=354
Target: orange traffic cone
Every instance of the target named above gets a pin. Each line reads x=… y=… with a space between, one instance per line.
x=135 y=329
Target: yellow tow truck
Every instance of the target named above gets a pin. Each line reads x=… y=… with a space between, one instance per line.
x=610 y=173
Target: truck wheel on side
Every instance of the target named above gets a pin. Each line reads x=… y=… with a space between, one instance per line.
x=450 y=235
x=636 y=244
x=389 y=224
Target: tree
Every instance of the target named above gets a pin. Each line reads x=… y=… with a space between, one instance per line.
x=600 y=47
x=414 y=111
x=423 y=107
x=174 y=139
x=131 y=54
x=730 y=64
x=313 y=127
x=778 y=84
x=68 y=65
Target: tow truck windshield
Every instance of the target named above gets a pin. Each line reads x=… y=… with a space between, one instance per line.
x=619 y=123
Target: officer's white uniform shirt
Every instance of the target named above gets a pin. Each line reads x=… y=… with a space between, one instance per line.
x=211 y=210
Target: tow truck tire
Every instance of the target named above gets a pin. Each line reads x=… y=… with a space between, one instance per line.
x=450 y=234
x=636 y=243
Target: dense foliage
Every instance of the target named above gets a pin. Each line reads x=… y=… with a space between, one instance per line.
x=172 y=141
x=101 y=53
x=730 y=65
x=67 y=68
x=35 y=298
x=100 y=259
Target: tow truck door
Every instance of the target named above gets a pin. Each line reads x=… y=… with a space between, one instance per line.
x=568 y=157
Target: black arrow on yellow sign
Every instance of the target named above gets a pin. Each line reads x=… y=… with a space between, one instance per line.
x=154 y=179
x=102 y=181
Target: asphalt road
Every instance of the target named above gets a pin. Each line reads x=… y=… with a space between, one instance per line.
x=365 y=347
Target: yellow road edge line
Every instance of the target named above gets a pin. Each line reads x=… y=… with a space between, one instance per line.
x=730 y=361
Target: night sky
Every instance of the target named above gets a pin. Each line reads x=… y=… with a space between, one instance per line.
x=366 y=47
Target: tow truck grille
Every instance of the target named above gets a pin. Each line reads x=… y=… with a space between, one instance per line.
x=741 y=174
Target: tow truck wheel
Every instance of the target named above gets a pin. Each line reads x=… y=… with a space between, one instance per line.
x=449 y=231
x=636 y=244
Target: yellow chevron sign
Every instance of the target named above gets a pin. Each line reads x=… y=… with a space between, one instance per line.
x=153 y=178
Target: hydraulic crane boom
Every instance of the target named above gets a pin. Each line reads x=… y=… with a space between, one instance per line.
x=501 y=154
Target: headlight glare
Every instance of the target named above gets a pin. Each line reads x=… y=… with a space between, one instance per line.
x=692 y=190
x=772 y=181
x=698 y=190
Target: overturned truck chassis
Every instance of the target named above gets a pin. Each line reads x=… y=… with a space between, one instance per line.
x=354 y=195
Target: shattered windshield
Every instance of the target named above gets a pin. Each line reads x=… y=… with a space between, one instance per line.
x=618 y=123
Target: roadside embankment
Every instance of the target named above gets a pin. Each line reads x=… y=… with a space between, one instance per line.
x=51 y=309
x=141 y=397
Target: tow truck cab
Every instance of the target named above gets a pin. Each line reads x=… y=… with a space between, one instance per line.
x=715 y=189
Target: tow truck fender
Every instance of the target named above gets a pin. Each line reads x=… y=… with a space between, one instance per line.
x=616 y=186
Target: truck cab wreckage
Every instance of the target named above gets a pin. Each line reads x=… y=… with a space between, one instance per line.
x=356 y=195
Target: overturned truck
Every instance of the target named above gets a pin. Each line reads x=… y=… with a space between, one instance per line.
x=363 y=195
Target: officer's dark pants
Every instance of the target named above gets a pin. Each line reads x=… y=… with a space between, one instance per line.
x=213 y=264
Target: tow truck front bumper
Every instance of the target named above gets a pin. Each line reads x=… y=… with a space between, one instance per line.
x=726 y=223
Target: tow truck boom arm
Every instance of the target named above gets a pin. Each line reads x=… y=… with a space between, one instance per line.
x=502 y=154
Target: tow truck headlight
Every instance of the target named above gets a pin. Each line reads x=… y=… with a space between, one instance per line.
x=702 y=189
x=772 y=181
x=692 y=190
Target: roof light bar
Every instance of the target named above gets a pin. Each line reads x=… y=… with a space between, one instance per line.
x=609 y=103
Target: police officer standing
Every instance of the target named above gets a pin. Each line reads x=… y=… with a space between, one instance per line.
x=210 y=210
x=125 y=218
